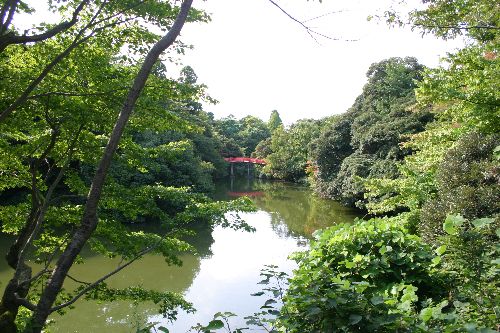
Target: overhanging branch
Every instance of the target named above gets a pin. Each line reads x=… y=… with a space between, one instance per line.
x=312 y=33
x=11 y=38
x=102 y=279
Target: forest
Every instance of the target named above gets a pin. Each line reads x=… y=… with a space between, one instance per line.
x=96 y=137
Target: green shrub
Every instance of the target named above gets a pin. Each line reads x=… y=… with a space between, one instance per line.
x=468 y=183
x=371 y=276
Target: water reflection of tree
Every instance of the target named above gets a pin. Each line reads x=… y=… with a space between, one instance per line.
x=151 y=272
x=295 y=211
x=199 y=236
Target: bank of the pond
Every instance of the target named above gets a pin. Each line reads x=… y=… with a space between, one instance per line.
x=226 y=269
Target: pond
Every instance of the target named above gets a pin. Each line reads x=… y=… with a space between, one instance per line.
x=221 y=276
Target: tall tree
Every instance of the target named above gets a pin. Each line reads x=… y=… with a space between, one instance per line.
x=253 y=130
x=60 y=133
x=274 y=121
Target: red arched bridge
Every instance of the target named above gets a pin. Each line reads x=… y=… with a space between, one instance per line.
x=245 y=160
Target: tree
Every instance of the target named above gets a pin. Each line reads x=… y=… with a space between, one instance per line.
x=476 y=19
x=290 y=150
x=50 y=142
x=228 y=126
x=253 y=130
x=9 y=36
x=365 y=142
x=100 y=18
x=246 y=132
x=274 y=121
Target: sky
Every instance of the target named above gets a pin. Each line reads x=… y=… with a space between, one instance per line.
x=255 y=59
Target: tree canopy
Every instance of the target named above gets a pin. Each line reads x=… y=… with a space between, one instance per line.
x=365 y=142
x=66 y=101
x=274 y=121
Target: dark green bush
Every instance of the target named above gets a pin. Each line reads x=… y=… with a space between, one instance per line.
x=467 y=184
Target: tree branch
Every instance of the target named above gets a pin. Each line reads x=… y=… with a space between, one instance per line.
x=323 y=15
x=10 y=6
x=74 y=94
x=478 y=27
x=102 y=279
x=24 y=302
x=46 y=201
x=74 y=44
x=78 y=281
x=311 y=32
x=9 y=39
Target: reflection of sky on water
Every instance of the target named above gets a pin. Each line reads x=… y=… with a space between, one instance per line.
x=227 y=279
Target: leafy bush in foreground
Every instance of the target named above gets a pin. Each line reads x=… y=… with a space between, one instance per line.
x=375 y=277
x=371 y=276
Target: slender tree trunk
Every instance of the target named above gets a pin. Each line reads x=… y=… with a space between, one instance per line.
x=89 y=219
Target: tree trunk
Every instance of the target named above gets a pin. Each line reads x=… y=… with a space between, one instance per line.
x=89 y=219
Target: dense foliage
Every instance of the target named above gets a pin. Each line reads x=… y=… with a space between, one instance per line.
x=52 y=140
x=287 y=152
x=240 y=137
x=370 y=276
x=364 y=142
x=444 y=224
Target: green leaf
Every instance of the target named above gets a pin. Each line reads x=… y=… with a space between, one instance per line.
x=385 y=249
x=487 y=330
x=440 y=250
x=260 y=293
x=377 y=300
x=451 y=224
x=354 y=319
x=317 y=234
x=357 y=258
x=426 y=314
x=349 y=264
x=214 y=325
x=163 y=329
x=314 y=311
x=479 y=223
x=269 y=301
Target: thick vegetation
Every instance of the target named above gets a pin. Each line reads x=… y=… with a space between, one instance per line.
x=60 y=98
x=432 y=266
x=287 y=152
x=240 y=137
x=364 y=142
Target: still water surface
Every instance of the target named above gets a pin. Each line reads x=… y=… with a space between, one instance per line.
x=222 y=275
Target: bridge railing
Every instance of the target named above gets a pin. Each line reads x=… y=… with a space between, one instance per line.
x=245 y=160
